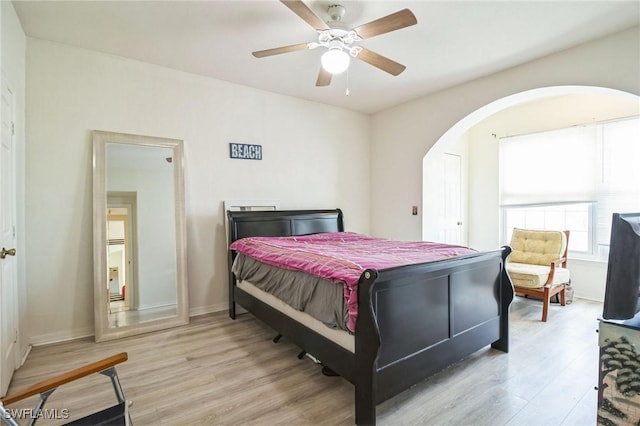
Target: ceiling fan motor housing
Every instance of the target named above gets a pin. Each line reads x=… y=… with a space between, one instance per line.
x=336 y=12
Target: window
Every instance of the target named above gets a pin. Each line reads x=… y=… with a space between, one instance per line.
x=575 y=217
x=574 y=179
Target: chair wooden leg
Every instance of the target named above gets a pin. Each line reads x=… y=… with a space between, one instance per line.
x=546 y=300
x=563 y=299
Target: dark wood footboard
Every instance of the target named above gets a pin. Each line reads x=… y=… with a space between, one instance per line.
x=419 y=319
x=413 y=321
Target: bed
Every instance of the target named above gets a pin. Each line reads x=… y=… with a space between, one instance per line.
x=412 y=320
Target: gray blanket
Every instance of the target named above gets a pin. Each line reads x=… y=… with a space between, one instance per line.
x=312 y=295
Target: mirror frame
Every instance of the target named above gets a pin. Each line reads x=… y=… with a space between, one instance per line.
x=102 y=330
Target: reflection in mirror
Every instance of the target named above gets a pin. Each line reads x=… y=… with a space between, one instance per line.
x=139 y=234
x=119 y=262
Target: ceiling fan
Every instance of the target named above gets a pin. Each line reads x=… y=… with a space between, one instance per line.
x=339 y=40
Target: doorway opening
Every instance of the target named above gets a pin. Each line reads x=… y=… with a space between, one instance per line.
x=121 y=242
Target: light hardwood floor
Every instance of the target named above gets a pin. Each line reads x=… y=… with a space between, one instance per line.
x=219 y=371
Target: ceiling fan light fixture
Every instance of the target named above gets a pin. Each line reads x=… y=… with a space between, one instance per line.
x=335 y=60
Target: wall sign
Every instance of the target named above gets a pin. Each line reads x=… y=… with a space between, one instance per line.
x=245 y=151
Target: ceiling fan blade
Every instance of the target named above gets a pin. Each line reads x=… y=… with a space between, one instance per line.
x=279 y=50
x=324 y=78
x=306 y=14
x=395 y=21
x=379 y=61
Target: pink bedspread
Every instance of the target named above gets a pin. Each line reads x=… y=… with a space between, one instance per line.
x=341 y=257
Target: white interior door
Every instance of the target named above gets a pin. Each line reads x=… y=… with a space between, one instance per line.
x=8 y=264
x=451 y=200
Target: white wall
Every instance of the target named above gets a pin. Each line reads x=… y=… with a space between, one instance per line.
x=401 y=136
x=12 y=63
x=315 y=156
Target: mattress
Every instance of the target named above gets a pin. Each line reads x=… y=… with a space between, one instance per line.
x=340 y=337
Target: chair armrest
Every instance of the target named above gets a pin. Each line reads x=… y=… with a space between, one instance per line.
x=555 y=264
x=69 y=376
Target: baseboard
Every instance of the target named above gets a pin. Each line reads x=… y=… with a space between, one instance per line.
x=26 y=353
x=165 y=305
x=209 y=309
x=47 y=339
x=591 y=299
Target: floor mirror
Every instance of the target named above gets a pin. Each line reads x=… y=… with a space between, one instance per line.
x=139 y=234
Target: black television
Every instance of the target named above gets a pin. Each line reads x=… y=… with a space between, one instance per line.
x=622 y=292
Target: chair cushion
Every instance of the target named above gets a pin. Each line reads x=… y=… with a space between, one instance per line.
x=537 y=247
x=534 y=276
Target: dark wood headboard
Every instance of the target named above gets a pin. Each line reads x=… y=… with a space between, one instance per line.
x=283 y=223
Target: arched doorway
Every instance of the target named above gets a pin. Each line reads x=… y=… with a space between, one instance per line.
x=474 y=140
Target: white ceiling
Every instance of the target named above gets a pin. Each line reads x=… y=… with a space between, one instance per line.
x=453 y=42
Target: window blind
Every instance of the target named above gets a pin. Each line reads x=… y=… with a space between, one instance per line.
x=619 y=185
x=549 y=167
x=597 y=163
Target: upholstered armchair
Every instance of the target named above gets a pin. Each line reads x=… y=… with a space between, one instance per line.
x=538 y=265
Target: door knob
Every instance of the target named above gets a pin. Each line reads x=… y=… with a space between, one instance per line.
x=5 y=252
